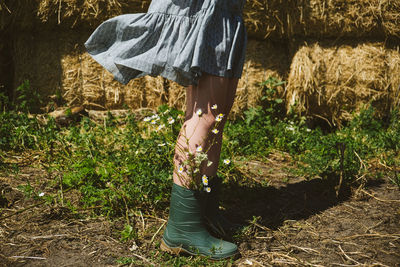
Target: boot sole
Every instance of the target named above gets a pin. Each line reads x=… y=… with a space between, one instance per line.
x=173 y=250
x=179 y=250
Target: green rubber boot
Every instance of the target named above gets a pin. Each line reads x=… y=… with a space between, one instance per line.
x=186 y=232
x=216 y=222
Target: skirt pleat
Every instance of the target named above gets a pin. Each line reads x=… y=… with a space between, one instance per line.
x=176 y=39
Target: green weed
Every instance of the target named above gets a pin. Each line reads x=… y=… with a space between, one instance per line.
x=125 y=164
x=128 y=233
x=28 y=99
x=165 y=259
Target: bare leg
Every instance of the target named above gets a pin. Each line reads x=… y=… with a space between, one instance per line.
x=196 y=131
x=186 y=229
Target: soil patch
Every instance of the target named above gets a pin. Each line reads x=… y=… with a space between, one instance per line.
x=288 y=222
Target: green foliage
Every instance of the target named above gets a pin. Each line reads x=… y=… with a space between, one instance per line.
x=164 y=259
x=129 y=233
x=396 y=179
x=117 y=168
x=4 y=102
x=120 y=168
x=254 y=133
x=27 y=99
x=264 y=128
x=27 y=189
x=125 y=164
x=19 y=132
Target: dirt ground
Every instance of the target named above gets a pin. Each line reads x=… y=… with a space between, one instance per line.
x=290 y=222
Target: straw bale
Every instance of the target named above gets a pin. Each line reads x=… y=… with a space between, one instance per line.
x=19 y=14
x=264 y=59
x=58 y=62
x=334 y=82
x=37 y=61
x=265 y=18
x=87 y=13
x=85 y=82
x=175 y=95
x=5 y=66
x=394 y=76
x=391 y=17
x=344 y=18
x=4 y=15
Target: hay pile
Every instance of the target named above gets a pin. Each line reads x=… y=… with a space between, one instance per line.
x=4 y=14
x=37 y=61
x=263 y=60
x=59 y=62
x=5 y=66
x=88 y=13
x=65 y=14
x=345 y=18
x=333 y=82
x=326 y=81
x=19 y=14
x=265 y=19
x=323 y=18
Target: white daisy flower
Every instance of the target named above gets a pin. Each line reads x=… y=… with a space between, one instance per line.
x=153 y=121
x=290 y=128
x=160 y=127
x=227 y=161
x=199 y=149
x=155 y=117
x=204 y=179
x=180 y=169
x=214 y=107
x=147 y=119
x=219 y=117
x=207 y=189
x=215 y=131
x=171 y=120
x=199 y=112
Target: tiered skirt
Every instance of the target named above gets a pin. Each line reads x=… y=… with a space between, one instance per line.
x=177 y=39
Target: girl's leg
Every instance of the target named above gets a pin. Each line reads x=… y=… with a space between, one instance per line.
x=186 y=230
x=197 y=129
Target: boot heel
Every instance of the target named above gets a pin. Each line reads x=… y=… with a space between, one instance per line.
x=166 y=248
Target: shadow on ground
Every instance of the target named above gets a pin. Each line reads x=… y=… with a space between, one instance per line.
x=275 y=205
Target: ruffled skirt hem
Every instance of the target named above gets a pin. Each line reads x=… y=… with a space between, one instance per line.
x=179 y=48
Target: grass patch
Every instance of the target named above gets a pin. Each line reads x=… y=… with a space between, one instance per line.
x=124 y=165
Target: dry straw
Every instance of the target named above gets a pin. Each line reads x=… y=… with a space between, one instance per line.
x=345 y=18
x=263 y=60
x=333 y=82
x=265 y=19
x=59 y=62
x=273 y=19
x=87 y=13
x=322 y=18
x=86 y=82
